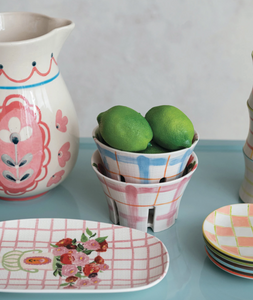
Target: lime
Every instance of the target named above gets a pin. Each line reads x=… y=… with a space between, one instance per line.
x=153 y=148
x=124 y=128
x=172 y=129
x=98 y=136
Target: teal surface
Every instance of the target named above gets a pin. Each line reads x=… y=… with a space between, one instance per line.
x=191 y=274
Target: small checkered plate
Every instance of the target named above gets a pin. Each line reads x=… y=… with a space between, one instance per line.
x=228 y=264
x=227 y=269
x=66 y=255
x=229 y=259
x=229 y=230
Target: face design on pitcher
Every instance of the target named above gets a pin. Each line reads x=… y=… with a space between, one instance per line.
x=24 y=139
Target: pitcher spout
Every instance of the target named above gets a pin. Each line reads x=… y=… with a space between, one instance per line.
x=33 y=31
x=61 y=29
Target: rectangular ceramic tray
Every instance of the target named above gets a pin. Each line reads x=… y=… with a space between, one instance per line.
x=67 y=255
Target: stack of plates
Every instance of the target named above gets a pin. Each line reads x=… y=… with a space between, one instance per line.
x=228 y=236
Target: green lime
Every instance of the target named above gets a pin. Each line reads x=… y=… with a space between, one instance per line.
x=99 y=137
x=153 y=148
x=124 y=128
x=172 y=129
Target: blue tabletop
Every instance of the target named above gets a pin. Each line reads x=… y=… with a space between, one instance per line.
x=191 y=274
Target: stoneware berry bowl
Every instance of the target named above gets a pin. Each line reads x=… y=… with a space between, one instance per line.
x=140 y=206
x=141 y=168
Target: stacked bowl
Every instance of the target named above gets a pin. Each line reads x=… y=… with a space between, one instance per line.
x=246 y=189
x=143 y=190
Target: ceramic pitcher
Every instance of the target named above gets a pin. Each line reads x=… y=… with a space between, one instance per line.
x=39 y=134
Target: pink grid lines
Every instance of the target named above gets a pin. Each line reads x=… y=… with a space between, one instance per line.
x=134 y=258
x=112 y=190
x=133 y=208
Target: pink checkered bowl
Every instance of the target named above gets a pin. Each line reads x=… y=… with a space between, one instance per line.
x=141 y=168
x=140 y=206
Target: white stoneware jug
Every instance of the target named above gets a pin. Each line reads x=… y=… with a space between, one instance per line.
x=39 y=134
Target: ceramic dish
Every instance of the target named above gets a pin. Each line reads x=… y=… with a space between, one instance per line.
x=65 y=255
x=231 y=266
x=140 y=206
x=229 y=270
x=143 y=168
x=245 y=191
x=228 y=259
x=229 y=230
x=39 y=135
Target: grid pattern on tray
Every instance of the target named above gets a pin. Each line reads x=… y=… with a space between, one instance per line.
x=134 y=258
x=230 y=228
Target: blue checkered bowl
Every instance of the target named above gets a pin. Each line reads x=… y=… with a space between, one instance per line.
x=135 y=167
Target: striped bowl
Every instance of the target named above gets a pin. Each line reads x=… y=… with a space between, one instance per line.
x=248 y=146
x=246 y=189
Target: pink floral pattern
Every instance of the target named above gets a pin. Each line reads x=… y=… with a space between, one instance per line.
x=83 y=282
x=103 y=267
x=69 y=270
x=64 y=154
x=95 y=280
x=91 y=245
x=81 y=259
x=55 y=178
x=24 y=142
x=60 y=251
x=72 y=251
x=75 y=264
x=61 y=121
